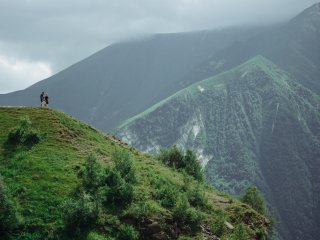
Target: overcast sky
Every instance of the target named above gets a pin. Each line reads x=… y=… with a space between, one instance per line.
x=39 y=38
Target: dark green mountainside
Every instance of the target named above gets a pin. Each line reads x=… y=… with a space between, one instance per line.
x=252 y=124
x=52 y=190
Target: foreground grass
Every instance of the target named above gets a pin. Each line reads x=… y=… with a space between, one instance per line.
x=40 y=178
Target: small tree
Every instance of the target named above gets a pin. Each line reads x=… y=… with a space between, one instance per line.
x=80 y=215
x=254 y=198
x=174 y=157
x=92 y=174
x=193 y=166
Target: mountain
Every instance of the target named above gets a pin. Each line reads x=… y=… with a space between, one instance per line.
x=124 y=79
x=251 y=124
x=293 y=46
x=54 y=188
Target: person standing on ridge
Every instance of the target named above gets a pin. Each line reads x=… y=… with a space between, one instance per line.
x=46 y=99
x=42 y=100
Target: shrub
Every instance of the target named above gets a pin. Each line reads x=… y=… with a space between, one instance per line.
x=172 y=157
x=166 y=193
x=193 y=166
x=92 y=174
x=8 y=217
x=197 y=198
x=24 y=134
x=219 y=227
x=80 y=215
x=142 y=211
x=118 y=193
x=175 y=158
x=254 y=198
x=124 y=165
x=127 y=232
x=240 y=233
x=118 y=189
x=187 y=216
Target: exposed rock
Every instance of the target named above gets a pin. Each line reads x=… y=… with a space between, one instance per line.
x=229 y=225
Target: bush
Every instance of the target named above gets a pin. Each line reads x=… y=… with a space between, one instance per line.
x=118 y=193
x=240 y=233
x=142 y=211
x=92 y=174
x=8 y=217
x=193 y=166
x=254 y=198
x=166 y=193
x=218 y=228
x=118 y=189
x=127 y=232
x=24 y=134
x=197 y=198
x=124 y=165
x=175 y=158
x=187 y=216
x=80 y=215
x=172 y=157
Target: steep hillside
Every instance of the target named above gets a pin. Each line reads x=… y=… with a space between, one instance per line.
x=46 y=185
x=252 y=124
x=124 y=79
x=294 y=46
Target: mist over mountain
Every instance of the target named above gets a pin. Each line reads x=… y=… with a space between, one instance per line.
x=294 y=46
x=245 y=99
x=126 y=78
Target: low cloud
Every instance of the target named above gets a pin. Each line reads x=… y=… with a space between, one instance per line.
x=15 y=72
x=63 y=32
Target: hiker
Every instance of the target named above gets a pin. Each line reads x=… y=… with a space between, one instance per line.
x=46 y=99
x=42 y=100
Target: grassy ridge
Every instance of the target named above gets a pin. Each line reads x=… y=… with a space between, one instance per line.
x=40 y=178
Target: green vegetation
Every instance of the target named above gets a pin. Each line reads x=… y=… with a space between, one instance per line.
x=77 y=183
x=8 y=217
x=253 y=124
x=23 y=134
x=174 y=157
x=254 y=198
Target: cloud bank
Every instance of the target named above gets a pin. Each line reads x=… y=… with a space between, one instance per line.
x=58 y=33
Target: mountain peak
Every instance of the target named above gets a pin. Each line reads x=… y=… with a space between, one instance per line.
x=310 y=16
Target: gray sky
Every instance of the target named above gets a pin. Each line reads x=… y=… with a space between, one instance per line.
x=38 y=38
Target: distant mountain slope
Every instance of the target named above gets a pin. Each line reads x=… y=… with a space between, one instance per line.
x=42 y=178
x=294 y=46
x=126 y=78
x=252 y=124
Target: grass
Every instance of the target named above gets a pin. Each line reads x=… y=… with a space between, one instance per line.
x=40 y=178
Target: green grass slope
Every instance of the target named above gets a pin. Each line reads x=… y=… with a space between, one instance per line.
x=251 y=124
x=41 y=178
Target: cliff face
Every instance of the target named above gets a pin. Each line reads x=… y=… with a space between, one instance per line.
x=252 y=124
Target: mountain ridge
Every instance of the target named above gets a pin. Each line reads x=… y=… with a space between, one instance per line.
x=232 y=121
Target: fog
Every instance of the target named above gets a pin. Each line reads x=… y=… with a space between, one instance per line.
x=41 y=37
